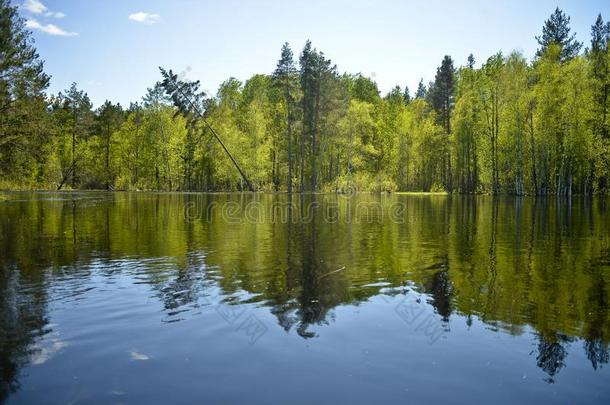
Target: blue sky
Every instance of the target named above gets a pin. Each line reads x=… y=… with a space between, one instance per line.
x=112 y=48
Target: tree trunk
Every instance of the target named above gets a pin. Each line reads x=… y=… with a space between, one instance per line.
x=314 y=142
x=289 y=136
x=108 y=157
x=73 y=179
x=302 y=158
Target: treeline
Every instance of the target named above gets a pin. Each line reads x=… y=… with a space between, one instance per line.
x=511 y=126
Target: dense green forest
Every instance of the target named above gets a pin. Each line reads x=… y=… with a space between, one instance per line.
x=511 y=126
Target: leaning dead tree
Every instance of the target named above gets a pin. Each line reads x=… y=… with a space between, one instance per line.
x=189 y=101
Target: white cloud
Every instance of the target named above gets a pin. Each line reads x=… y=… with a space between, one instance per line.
x=56 y=14
x=45 y=349
x=43 y=354
x=34 y=6
x=145 y=18
x=50 y=29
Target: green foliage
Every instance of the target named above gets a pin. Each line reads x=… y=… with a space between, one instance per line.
x=421 y=90
x=442 y=99
x=556 y=31
x=24 y=138
x=510 y=126
x=285 y=80
x=151 y=144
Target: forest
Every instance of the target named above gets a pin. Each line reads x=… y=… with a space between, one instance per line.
x=511 y=126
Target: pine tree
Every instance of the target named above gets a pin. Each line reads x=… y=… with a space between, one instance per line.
x=470 y=63
x=421 y=90
x=556 y=30
x=21 y=70
x=285 y=77
x=442 y=97
x=306 y=74
x=406 y=95
x=23 y=130
x=156 y=97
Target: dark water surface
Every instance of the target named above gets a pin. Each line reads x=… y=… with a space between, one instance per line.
x=182 y=298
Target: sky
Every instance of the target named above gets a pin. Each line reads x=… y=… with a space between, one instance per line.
x=112 y=48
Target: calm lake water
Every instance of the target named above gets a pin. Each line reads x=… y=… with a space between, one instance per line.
x=182 y=298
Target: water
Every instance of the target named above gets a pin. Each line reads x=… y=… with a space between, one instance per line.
x=156 y=298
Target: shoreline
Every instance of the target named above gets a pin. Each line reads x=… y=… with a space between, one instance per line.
x=221 y=192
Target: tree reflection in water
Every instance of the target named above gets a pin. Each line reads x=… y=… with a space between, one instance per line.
x=512 y=263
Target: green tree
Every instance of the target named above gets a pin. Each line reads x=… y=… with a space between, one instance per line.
x=395 y=95
x=556 y=30
x=76 y=124
x=421 y=90
x=362 y=88
x=512 y=143
x=108 y=119
x=491 y=94
x=442 y=98
x=599 y=58
x=192 y=105
x=470 y=63
x=468 y=129
x=24 y=124
x=317 y=77
x=131 y=149
x=511 y=126
x=285 y=77
x=406 y=95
